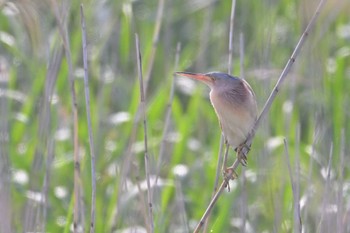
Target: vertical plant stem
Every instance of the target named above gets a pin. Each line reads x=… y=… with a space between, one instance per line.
x=129 y=153
x=244 y=209
x=219 y=168
x=264 y=112
x=230 y=44
x=33 y=216
x=223 y=157
x=78 y=209
x=144 y=208
x=241 y=55
x=88 y=115
x=51 y=77
x=5 y=168
x=229 y=65
x=143 y=107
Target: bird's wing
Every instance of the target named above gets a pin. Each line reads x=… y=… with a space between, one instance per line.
x=253 y=111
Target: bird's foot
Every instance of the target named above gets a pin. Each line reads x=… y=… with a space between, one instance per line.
x=229 y=174
x=241 y=153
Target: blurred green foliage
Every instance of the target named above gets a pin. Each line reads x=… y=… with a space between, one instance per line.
x=311 y=111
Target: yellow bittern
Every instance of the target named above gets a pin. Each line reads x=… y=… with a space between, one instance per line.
x=235 y=105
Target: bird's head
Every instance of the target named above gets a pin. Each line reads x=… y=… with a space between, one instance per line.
x=212 y=79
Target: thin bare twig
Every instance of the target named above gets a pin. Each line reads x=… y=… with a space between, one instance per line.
x=88 y=115
x=285 y=71
x=213 y=201
x=143 y=107
x=221 y=165
x=264 y=112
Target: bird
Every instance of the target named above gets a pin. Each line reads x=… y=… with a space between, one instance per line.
x=234 y=102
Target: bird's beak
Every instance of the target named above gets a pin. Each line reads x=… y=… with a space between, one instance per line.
x=198 y=76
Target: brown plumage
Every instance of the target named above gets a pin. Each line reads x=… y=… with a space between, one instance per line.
x=234 y=103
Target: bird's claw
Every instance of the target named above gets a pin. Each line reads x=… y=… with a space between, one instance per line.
x=241 y=154
x=229 y=174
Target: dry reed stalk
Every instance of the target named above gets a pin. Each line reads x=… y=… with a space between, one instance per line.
x=264 y=112
x=78 y=223
x=129 y=154
x=222 y=158
x=143 y=110
x=33 y=215
x=244 y=209
x=88 y=115
x=5 y=164
x=229 y=68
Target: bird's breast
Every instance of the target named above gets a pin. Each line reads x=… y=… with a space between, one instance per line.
x=236 y=117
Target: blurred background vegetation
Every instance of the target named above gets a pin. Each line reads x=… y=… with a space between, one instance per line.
x=312 y=112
